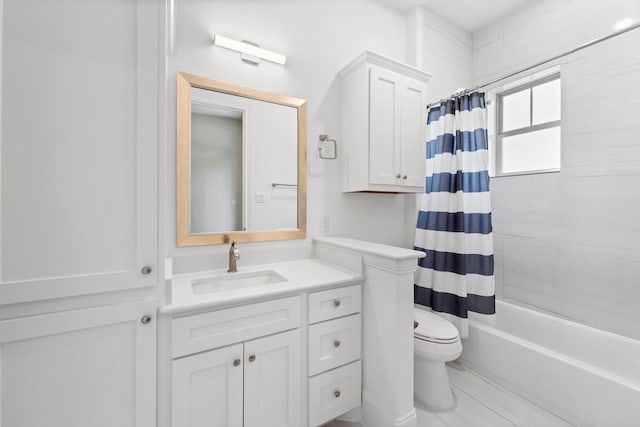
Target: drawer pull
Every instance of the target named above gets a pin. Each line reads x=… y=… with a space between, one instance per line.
x=336 y=343
x=252 y=358
x=236 y=362
x=336 y=302
x=336 y=393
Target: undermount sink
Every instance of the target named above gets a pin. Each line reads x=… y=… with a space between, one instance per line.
x=233 y=281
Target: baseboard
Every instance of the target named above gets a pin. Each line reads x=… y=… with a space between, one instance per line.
x=373 y=415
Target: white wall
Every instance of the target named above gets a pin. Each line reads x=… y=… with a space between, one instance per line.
x=319 y=38
x=569 y=242
x=447 y=53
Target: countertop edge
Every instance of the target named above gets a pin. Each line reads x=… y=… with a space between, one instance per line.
x=235 y=300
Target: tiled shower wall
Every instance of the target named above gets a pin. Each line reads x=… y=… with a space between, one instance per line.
x=569 y=242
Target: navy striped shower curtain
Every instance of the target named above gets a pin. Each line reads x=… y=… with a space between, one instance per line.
x=454 y=221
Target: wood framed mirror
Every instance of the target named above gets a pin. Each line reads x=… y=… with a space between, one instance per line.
x=240 y=163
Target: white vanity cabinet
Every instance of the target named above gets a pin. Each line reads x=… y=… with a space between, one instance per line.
x=251 y=374
x=334 y=352
x=383 y=128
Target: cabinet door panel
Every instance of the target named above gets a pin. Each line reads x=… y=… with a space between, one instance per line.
x=272 y=381
x=383 y=130
x=207 y=389
x=91 y=367
x=413 y=126
x=79 y=147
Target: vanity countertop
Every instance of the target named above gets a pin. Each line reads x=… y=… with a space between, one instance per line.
x=301 y=276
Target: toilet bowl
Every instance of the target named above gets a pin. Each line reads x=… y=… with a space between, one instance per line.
x=436 y=341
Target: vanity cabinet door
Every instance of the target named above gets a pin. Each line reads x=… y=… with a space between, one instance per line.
x=207 y=389
x=272 y=381
x=79 y=142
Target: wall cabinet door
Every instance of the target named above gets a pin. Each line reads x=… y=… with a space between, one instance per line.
x=207 y=389
x=396 y=129
x=384 y=130
x=272 y=381
x=92 y=367
x=79 y=187
x=413 y=125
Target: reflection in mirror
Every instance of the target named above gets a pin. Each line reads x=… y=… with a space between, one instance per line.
x=240 y=163
x=216 y=169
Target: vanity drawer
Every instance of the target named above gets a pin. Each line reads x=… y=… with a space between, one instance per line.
x=332 y=303
x=192 y=334
x=333 y=393
x=334 y=343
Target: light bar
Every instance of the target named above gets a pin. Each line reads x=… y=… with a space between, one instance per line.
x=249 y=49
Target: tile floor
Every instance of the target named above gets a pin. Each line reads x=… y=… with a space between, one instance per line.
x=480 y=404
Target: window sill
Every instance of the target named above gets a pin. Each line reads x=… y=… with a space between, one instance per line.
x=535 y=172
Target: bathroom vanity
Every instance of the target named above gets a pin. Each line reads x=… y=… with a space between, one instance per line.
x=258 y=345
x=297 y=343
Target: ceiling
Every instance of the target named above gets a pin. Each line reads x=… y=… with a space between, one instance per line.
x=470 y=15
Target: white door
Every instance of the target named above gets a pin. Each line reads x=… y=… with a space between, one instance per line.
x=272 y=381
x=384 y=130
x=79 y=147
x=413 y=127
x=92 y=367
x=207 y=389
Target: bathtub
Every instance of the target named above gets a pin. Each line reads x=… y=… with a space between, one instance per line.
x=585 y=375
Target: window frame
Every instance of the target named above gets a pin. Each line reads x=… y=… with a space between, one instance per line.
x=500 y=134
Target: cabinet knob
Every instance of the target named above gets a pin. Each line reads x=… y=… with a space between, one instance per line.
x=336 y=393
x=236 y=362
x=404 y=176
x=146 y=270
x=145 y=319
x=398 y=176
x=336 y=302
x=336 y=343
x=252 y=358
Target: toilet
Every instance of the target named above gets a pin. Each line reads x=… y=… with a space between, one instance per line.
x=436 y=341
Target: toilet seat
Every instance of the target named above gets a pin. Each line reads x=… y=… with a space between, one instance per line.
x=433 y=328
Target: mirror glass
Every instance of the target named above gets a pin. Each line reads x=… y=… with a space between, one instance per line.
x=240 y=163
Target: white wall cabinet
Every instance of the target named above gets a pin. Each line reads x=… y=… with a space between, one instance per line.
x=91 y=367
x=383 y=129
x=254 y=383
x=79 y=139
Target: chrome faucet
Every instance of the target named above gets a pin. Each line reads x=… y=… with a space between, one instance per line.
x=234 y=255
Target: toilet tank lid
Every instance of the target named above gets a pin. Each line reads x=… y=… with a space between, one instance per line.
x=430 y=325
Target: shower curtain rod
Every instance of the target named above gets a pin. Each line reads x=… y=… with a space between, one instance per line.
x=546 y=61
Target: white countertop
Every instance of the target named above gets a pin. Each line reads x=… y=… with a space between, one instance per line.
x=302 y=275
x=386 y=251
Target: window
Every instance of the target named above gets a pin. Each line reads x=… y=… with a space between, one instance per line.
x=527 y=138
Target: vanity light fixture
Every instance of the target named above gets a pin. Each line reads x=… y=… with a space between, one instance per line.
x=251 y=53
